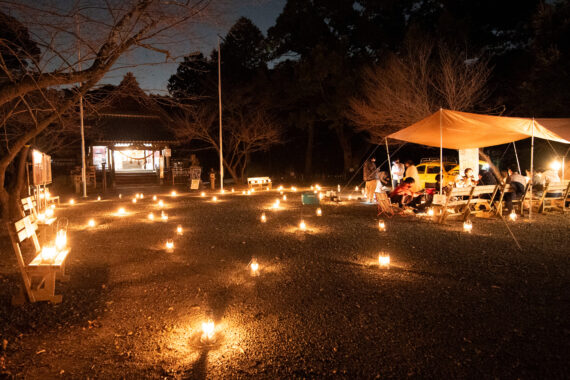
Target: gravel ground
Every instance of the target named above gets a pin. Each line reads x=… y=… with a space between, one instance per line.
x=451 y=304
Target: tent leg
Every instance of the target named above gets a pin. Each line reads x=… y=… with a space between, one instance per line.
x=531 y=170
x=517 y=157
x=389 y=164
x=440 y=153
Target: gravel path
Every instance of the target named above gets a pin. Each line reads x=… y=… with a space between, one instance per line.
x=451 y=304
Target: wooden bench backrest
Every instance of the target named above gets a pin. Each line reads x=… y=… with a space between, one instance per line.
x=24 y=229
x=461 y=191
x=556 y=187
x=487 y=189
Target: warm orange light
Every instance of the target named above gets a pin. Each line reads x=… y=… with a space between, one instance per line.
x=91 y=223
x=173 y=193
x=48 y=254
x=319 y=212
x=72 y=201
x=381 y=225
x=384 y=260
x=49 y=212
x=121 y=211
x=513 y=215
x=467 y=226
x=254 y=267
x=61 y=239
x=202 y=194
x=302 y=225
x=208 y=330
x=160 y=203
x=120 y=196
x=164 y=216
x=214 y=199
x=154 y=198
x=430 y=212
x=134 y=200
x=179 y=230
x=284 y=197
x=98 y=197
x=169 y=245
x=263 y=218
x=151 y=216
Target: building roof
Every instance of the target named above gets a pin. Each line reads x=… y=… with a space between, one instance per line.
x=126 y=114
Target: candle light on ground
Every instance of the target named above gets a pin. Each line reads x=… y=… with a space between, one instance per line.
x=233 y=190
x=121 y=211
x=164 y=216
x=154 y=198
x=202 y=194
x=381 y=225
x=49 y=212
x=243 y=192
x=254 y=267
x=169 y=245
x=222 y=191
x=173 y=193
x=319 y=212
x=263 y=218
x=284 y=197
x=41 y=217
x=98 y=197
x=134 y=200
x=513 y=215
x=160 y=203
x=321 y=196
x=350 y=197
x=72 y=201
x=467 y=226
x=179 y=230
x=430 y=212
x=302 y=225
x=141 y=196
x=151 y=216
x=214 y=199
x=91 y=223
x=120 y=196
x=384 y=260
x=208 y=330
x=356 y=188
x=293 y=188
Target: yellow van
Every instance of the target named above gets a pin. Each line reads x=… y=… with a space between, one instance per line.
x=428 y=169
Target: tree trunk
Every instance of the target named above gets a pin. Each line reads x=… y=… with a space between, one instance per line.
x=344 y=141
x=233 y=173
x=309 y=150
x=242 y=170
x=10 y=195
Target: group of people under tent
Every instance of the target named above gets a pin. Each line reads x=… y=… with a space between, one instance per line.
x=405 y=190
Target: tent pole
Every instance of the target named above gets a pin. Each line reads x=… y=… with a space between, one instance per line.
x=531 y=170
x=517 y=157
x=440 y=152
x=389 y=164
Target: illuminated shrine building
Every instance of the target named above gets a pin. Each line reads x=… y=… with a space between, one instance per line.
x=129 y=131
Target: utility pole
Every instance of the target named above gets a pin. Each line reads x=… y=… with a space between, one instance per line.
x=220 y=109
x=83 y=167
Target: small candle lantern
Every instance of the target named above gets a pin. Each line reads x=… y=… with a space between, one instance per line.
x=467 y=226
x=381 y=225
x=214 y=199
x=134 y=200
x=154 y=198
x=284 y=197
x=49 y=212
x=248 y=192
x=98 y=197
x=91 y=223
x=164 y=216
x=121 y=211
x=179 y=230
x=72 y=201
x=61 y=234
x=294 y=189
x=302 y=225
x=312 y=187
x=169 y=245
x=141 y=196
x=151 y=216
x=263 y=218
x=222 y=191
x=350 y=197
x=254 y=267
x=48 y=254
x=356 y=188
x=233 y=190
x=338 y=188
x=384 y=260
x=160 y=203
x=513 y=215
x=208 y=329
x=173 y=193
x=243 y=192
x=120 y=196
x=321 y=196
x=202 y=194
x=430 y=212
x=319 y=212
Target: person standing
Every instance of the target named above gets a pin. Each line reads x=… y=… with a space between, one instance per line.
x=397 y=172
x=412 y=172
x=212 y=179
x=370 y=176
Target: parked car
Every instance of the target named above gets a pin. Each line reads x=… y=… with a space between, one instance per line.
x=428 y=169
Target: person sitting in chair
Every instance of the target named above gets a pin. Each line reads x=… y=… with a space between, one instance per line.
x=404 y=196
x=518 y=183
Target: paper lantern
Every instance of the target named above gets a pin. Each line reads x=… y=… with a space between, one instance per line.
x=284 y=197
x=214 y=199
x=160 y=203
x=202 y=194
x=120 y=196
x=384 y=260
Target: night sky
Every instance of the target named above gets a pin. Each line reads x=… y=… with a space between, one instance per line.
x=154 y=75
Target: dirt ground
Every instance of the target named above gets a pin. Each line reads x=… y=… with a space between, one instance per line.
x=451 y=304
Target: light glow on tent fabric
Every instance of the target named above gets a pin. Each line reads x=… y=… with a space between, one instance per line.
x=555 y=165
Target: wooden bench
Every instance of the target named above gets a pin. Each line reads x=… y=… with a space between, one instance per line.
x=458 y=198
x=39 y=275
x=548 y=199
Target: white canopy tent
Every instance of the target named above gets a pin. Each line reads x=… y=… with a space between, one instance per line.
x=462 y=130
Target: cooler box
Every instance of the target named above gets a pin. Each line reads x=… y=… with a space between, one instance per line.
x=310 y=198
